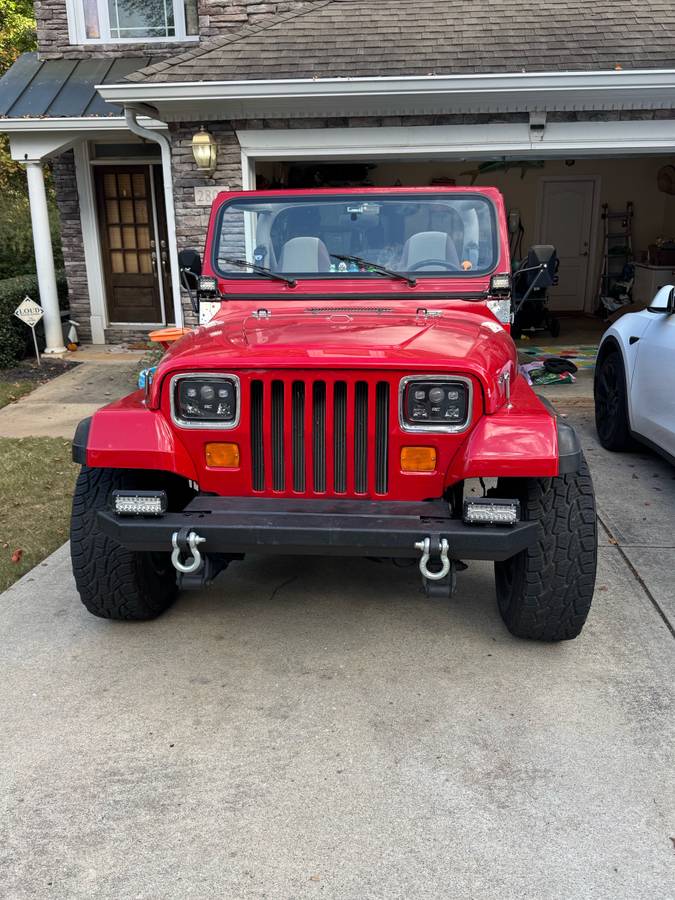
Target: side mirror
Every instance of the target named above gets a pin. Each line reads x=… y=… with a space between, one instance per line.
x=190 y=261
x=664 y=301
x=543 y=256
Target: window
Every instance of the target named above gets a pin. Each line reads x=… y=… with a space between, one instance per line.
x=117 y=21
x=443 y=234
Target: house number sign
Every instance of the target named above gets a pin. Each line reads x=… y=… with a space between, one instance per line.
x=205 y=195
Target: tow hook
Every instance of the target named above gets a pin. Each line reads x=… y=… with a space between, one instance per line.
x=438 y=583
x=185 y=543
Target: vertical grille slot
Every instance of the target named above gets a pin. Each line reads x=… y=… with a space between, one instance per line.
x=298 y=433
x=278 y=473
x=319 y=435
x=257 y=452
x=361 y=438
x=340 y=437
x=382 y=438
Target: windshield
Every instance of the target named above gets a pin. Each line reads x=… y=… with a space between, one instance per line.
x=368 y=237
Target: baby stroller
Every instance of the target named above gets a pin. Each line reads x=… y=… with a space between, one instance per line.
x=531 y=279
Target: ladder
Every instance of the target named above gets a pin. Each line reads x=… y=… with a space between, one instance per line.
x=617 y=246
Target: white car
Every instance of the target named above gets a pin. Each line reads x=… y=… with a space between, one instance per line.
x=635 y=379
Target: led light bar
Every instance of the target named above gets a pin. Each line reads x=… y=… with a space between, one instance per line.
x=486 y=511
x=208 y=286
x=140 y=503
x=500 y=284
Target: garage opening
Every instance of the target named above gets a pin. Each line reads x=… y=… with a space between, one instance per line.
x=612 y=220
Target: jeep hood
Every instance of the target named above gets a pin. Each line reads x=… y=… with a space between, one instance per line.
x=466 y=340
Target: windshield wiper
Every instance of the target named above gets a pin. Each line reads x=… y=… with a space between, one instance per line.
x=411 y=282
x=261 y=270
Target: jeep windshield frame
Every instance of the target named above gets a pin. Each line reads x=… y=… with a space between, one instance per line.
x=419 y=235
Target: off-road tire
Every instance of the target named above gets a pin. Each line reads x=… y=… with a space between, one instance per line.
x=114 y=582
x=611 y=403
x=544 y=593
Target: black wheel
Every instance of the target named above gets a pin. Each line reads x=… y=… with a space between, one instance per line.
x=611 y=405
x=113 y=582
x=544 y=593
x=554 y=327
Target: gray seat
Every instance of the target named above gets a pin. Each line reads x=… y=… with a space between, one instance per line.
x=304 y=254
x=428 y=245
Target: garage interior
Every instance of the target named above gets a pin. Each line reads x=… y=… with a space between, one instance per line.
x=551 y=201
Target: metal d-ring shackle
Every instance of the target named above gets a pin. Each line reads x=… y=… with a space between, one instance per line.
x=195 y=558
x=425 y=547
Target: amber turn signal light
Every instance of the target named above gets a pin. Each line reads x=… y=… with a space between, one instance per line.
x=418 y=459
x=223 y=456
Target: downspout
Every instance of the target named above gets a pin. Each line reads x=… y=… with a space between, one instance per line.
x=165 y=147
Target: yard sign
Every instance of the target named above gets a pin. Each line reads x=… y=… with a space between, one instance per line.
x=30 y=312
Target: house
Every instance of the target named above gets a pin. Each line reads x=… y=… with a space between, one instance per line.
x=564 y=106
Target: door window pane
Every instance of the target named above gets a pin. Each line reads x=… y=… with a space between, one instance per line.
x=136 y=19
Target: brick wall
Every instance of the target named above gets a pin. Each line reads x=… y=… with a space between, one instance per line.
x=68 y=203
x=216 y=17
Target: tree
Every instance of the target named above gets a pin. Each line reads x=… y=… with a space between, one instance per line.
x=17 y=36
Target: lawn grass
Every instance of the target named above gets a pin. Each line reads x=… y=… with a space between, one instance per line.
x=36 y=488
x=13 y=390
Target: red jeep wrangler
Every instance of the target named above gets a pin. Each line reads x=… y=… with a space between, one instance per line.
x=352 y=374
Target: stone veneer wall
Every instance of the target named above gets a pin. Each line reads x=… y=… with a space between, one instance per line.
x=216 y=17
x=68 y=203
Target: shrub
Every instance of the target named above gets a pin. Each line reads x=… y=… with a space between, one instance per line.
x=15 y=339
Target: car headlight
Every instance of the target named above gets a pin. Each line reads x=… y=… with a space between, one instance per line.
x=205 y=400
x=435 y=404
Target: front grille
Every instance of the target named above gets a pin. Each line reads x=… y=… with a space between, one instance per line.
x=320 y=436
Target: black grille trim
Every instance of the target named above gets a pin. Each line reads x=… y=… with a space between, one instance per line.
x=340 y=437
x=361 y=438
x=278 y=462
x=319 y=435
x=298 y=435
x=257 y=450
x=382 y=438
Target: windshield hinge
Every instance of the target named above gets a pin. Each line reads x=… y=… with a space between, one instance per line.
x=262 y=314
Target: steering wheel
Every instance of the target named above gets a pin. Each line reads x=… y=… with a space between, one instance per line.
x=442 y=263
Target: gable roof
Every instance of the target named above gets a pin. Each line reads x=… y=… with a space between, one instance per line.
x=351 y=39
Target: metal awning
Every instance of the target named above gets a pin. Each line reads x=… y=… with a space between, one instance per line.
x=60 y=88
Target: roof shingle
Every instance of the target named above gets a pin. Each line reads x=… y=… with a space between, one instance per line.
x=346 y=38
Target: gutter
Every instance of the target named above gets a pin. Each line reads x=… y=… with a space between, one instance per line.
x=165 y=147
x=654 y=84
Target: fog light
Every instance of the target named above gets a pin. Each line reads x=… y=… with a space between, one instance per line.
x=139 y=503
x=418 y=459
x=223 y=456
x=485 y=511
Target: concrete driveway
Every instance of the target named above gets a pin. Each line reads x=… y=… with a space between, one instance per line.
x=319 y=729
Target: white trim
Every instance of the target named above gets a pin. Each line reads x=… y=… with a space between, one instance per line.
x=560 y=139
x=77 y=32
x=75 y=124
x=91 y=242
x=159 y=268
x=649 y=89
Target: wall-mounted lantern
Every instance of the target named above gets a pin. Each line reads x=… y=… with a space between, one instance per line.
x=205 y=150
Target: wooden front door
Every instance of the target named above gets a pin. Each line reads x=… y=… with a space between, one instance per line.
x=133 y=242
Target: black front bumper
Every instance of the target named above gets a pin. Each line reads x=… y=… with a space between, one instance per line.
x=319 y=527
